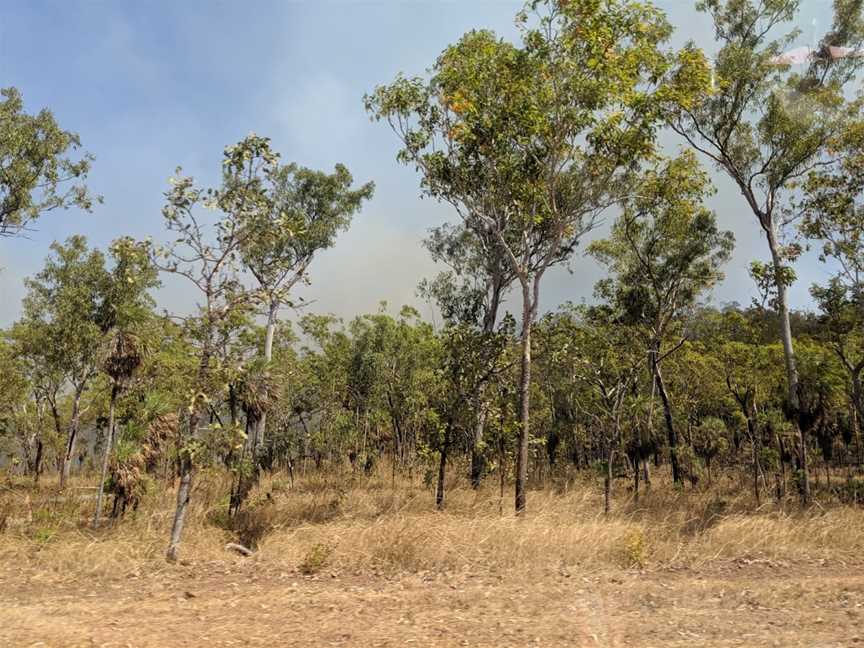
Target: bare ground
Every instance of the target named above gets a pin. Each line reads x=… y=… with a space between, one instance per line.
x=247 y=603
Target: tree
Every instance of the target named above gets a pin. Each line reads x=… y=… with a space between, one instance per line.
x=709 y=440
x=469 y=294
x=833 y=216
x=470 y=359
x=208 y=257
x=37 y=175
x=62 y=327
x=528 y=143
x=600 y=366
x=14 y=417
x=767 y=127
x=664 y=252
x=289 y=214
x=46 y=384
x=127 y=309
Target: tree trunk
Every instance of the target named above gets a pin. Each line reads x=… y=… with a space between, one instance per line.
x=858 y=395
x=442 y=469
x=667 y=414
x=524 y=401
x=184 y=489
x=70 y=441
x=607 y=485
x=478 y=459
x=185 y=459
x=789 y=355
x=755 y=444
x=260 y=428
x=37 y=462
x=106 y=453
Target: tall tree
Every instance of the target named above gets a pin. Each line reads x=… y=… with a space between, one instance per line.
x=126 y=311
x=289 y=214
x=470 y=293
x=37 y=172
x=207 y=255
x=766 y=126
x=528 y=143
x=664 y=252
x=833 y=216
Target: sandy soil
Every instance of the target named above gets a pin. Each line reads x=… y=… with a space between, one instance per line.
x=248 y=604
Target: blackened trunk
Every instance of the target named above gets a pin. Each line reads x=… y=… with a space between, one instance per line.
x=71 y=439
x=524 y=402
x=755 y=445
x=667 y=415
x=37 y=462
x=442 y=470
x=607 y=485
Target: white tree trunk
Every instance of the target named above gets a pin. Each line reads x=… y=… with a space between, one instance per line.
x=106 y=453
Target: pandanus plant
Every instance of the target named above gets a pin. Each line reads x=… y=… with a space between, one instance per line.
x=256 y=391
x=124 y=354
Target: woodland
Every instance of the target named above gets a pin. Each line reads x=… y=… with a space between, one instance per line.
x=218 y=423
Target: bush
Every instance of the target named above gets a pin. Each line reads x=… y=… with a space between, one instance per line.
x=316 y=558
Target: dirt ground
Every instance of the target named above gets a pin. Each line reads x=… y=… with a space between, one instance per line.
x=244 y=603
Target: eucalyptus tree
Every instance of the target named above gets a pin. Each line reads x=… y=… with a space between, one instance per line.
x=127 y=310
x=765 y=126
x=664 y=252
x=289 y=214
x=40 y=170
x=528 y=142
x=62 y=326
x=207 y=254
x=469 y=293
x=833 y=216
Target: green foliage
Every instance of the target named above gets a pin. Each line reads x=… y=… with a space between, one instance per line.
x=37 y=172
x=64 y=312
x=287 y=212
x=665 y=249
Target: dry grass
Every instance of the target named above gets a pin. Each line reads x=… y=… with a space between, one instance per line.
x=345 y=522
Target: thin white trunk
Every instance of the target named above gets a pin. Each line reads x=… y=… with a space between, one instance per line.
x=272 y=317
x=106 y=453
x=789 y=355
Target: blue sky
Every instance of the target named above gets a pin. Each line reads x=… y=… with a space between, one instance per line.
x=153 y=85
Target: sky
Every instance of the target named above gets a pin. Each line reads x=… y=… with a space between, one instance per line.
x=150 y=86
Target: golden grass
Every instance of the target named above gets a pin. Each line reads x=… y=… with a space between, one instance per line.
x=346 y=522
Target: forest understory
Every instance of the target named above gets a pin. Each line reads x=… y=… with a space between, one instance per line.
x=349 y=559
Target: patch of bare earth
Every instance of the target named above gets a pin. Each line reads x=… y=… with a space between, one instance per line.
x=249 y=604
